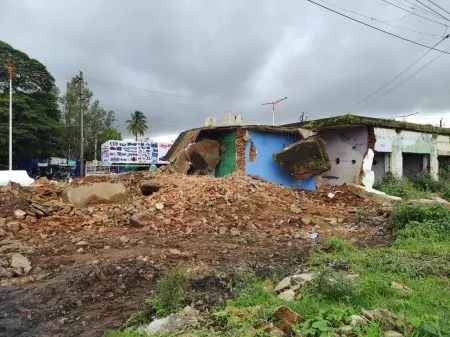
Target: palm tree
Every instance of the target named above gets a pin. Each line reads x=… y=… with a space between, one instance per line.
x=137 y=125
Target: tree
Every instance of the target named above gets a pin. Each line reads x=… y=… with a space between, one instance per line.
x=97 y=122
x=36 y=127
x=137 y=125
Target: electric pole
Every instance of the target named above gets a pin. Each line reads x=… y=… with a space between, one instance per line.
x=303 y=118
x=274 y=104
x=79 y=78
x=10 y=68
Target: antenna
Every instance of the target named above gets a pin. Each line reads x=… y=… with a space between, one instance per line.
x=274 y=104
x=404 y=116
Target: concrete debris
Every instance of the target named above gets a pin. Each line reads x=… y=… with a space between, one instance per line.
x=286 y=319
x=372 y=194
x=305 y=158
x=187 y=318
x=357 y=320
x=386 y=319
x=284 y=284
x=204 y=155
x=19 y=214
x=141 y=219
x=392 y=333
x=99 y=193
x=21 y=262
x=401 y=287
x=287 y=295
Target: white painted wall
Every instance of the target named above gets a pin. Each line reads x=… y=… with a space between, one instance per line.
x=349 y=145
x=389 y=140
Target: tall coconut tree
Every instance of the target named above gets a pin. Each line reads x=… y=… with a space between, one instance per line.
x=137 y=125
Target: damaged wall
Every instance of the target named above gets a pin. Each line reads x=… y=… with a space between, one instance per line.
x=227 y=140
x=304 y=159
x=346 y=148
x=263 y=165
x=400 y=143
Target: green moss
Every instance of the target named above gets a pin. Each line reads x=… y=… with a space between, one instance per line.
x=349 y=119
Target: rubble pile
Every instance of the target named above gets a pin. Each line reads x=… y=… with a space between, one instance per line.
x=164 y=204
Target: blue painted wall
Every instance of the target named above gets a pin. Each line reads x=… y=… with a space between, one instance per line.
x=264 y=166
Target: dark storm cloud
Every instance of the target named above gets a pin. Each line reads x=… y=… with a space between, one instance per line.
x=231 y=55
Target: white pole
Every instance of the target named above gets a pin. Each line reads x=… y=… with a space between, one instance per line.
x=273 y=117
x=10 y=124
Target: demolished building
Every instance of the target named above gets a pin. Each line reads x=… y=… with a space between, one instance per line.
x=303 y=155
x=253 y=149
x=400 y=148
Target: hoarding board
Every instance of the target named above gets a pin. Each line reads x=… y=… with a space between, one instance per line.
x=132 y=152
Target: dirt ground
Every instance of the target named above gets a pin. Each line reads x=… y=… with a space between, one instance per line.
x=92 y=269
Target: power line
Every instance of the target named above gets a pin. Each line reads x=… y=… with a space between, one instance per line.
x=376 y=28
x=439 y=7
x=157 y=92
x=412 y=75
x=431 y=9
x=420 y=16
x=397 y=76
x=415 y=7
x=385 y=22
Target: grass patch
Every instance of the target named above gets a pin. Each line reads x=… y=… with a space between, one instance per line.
x=169 y=293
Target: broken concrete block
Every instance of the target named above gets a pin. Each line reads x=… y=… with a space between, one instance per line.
x=284 y=284
x=305 y=158
x=141 y=219
x=286 y=319
x=374 y=195
x=99 y=193
x=204 y=155
x=20 y=261
x=287 y=295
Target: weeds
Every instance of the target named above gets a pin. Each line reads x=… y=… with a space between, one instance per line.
x=435 y=217
x=400 y=187
x=416 y=186
x=169 y=293
x=333 y=285
x=339 y=244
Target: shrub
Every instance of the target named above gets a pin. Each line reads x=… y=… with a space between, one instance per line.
x=424 y=182
x=399 y=187
x=339 y=244
x=333 y=285
x=434 y=215
x=169 y=293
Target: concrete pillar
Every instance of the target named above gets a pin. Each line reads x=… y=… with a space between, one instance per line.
x=396 y=161
x=425 y=163
x=434 y=163
x=387 y=162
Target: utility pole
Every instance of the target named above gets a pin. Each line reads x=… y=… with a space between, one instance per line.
x=79 y=78
x=274 y=103
x=303 y=118
x=10 y=68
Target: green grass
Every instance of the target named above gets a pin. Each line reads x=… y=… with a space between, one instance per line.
x=169 y=293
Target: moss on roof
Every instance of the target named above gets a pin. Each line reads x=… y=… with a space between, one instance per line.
x=345 y=120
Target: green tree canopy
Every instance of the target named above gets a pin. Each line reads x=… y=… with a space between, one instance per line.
x=137 y=124
x=98 y=122
x=36 y=127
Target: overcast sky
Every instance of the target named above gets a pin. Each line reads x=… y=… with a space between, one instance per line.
x=231 y=55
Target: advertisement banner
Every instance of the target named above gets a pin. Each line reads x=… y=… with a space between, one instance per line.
x=132 y=152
